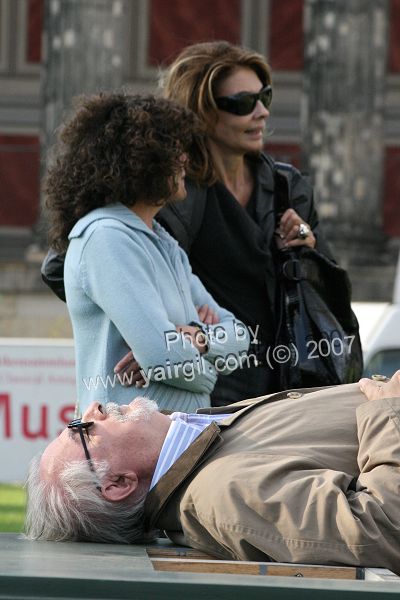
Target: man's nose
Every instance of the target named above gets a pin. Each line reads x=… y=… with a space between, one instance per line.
x=94 y=412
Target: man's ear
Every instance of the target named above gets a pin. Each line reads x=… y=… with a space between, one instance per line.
x=116 y=488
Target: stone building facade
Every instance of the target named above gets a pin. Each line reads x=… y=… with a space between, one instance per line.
x=155 y=30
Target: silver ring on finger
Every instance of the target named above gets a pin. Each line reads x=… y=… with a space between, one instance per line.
x=304 y=231
x=378 y=377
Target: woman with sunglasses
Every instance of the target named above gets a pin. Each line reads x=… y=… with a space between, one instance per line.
x=227 y=223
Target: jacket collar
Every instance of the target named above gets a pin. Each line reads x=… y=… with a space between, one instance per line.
x=159 y=495
x=117 y=212
x=206 y=443
x=265 y=194
x=266 y=172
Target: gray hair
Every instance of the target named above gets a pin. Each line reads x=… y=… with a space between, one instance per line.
x=71 y=508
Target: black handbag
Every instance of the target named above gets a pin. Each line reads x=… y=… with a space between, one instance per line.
x=318 y=341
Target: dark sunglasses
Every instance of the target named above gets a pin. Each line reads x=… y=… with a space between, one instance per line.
x=80 y=426
x=245 y=102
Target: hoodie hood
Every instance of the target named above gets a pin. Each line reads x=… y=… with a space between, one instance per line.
x=117 y=212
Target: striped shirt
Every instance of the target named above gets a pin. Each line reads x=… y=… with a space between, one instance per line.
x=184 y=429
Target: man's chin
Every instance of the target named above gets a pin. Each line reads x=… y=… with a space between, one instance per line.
x=141 y=409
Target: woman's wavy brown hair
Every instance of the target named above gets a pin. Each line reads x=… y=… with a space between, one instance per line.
x=192 y=80
x=116 y=148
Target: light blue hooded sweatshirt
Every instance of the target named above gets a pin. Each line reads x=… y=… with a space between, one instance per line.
x=127 y=287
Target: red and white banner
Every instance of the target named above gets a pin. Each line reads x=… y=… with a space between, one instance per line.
x=37 y=399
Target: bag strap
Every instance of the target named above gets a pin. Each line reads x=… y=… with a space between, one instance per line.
x=287 y=261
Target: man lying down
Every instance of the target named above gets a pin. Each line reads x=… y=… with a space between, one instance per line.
x=311 y=476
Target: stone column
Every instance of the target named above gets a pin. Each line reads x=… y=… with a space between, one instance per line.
x=85 y=51
x=342 y=122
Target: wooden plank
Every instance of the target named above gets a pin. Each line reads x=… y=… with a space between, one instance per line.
x=163 y=548
x=254 y=568
x=177 y=552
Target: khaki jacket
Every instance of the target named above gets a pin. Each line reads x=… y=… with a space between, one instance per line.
x=313 y=479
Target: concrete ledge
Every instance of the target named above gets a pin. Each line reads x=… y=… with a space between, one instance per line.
x=33 y=570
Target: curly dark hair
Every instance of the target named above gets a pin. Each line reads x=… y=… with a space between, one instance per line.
x=116 y=148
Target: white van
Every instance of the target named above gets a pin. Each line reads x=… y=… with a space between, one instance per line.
x=380 y=332
x=380 y=336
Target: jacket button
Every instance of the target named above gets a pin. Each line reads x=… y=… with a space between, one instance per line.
x=294 y=395
x=379 y=378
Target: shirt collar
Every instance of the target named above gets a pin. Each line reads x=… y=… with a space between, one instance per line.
x=184 y=429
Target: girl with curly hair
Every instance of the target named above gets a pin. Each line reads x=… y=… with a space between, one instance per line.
x=128 y=284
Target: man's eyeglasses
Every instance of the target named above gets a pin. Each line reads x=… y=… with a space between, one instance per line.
x=245 y=102
x=80 y=426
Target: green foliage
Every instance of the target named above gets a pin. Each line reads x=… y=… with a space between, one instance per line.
x=12 y=508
